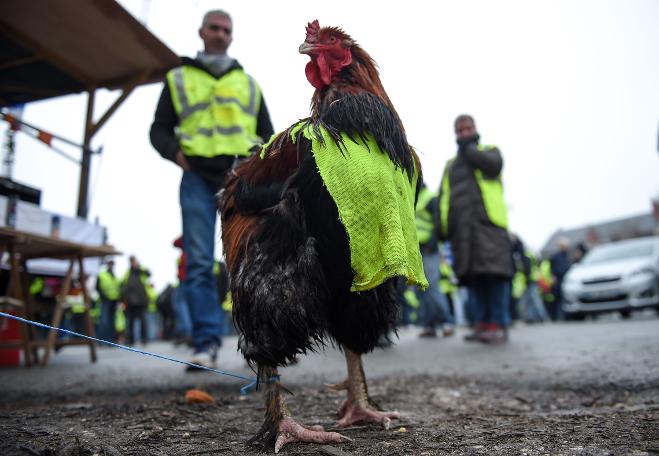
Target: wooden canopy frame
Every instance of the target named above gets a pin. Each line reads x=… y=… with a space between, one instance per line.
x=60 y=47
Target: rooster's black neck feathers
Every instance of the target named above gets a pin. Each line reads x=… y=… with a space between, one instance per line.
x=362 y=114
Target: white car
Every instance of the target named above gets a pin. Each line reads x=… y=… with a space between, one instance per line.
x=620 y=276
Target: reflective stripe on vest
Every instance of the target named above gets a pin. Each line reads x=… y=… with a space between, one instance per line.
x=216 y=116
x=423 y=220
x=491 y=190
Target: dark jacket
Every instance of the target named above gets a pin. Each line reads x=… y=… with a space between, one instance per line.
x=479 y=247
x=560 y=263
x=133 y=290
x=165 y=142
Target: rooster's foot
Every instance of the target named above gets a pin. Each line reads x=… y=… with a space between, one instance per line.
x=353 y=412
x=291 y=431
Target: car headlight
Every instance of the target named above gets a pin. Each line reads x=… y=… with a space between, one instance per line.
x=643 y=271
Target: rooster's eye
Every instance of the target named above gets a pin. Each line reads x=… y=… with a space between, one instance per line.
x=332 y=39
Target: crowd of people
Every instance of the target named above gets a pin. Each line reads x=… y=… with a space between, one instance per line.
x=211 y=114
x=127 y=309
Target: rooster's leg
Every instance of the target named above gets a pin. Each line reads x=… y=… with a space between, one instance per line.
x=279 y=427
x=359 y=408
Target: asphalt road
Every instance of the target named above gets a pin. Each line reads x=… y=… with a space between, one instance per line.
x=592 y=353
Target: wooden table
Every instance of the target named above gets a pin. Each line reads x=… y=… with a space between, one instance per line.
x=23 y=246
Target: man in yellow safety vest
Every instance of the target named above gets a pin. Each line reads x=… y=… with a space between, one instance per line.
x=109 y=291
x=473 y=217
x=210 y=113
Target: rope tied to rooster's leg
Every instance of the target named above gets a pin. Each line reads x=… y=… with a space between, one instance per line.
x=247 y=388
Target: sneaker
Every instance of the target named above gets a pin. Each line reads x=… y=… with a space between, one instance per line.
x=448 y=330
x=493 y=334
x=476 y=333
x=206 y=358
x=428 y=333
x=182 y=340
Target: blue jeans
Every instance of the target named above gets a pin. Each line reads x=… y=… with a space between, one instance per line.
x=490 y=298
x=556 y=310
x=182 y=321
x=470 y=305
x=534 y=308
x=136 y=321
x=106 y=325
x=433 y=305
x=153 y=325
x=199 y=214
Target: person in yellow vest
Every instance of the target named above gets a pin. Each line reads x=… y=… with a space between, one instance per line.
x=473 y=217
x=433 y=309
x=136 y=298
x=534 y=308
x=75 y=302
x=153 y=317
x=226 y=305
x=546 y=284
x=210 y=113
x=448 y=284
x=183 y=322
x=120 y=324
x=109 y=291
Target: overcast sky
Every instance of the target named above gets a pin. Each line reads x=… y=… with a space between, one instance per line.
x=568 y=90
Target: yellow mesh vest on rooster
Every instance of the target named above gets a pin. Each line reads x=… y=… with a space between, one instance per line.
x=376 y=207
x=216 y=116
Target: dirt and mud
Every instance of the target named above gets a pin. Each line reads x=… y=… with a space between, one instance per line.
x=440 y=415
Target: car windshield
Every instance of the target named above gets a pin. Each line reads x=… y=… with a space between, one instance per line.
x=620 y=251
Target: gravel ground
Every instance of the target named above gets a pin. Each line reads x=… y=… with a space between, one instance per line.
x=572 y=389
x=440 y=415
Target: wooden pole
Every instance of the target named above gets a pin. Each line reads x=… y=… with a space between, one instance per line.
x=83 y=189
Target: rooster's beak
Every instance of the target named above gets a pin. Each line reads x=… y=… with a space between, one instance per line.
x=306 y=48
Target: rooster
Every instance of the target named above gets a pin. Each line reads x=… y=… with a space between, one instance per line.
x=298 y=275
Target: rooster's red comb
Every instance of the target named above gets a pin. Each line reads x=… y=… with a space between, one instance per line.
x=312 y=31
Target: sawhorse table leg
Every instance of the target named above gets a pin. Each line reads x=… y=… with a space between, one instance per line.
x=58 y=314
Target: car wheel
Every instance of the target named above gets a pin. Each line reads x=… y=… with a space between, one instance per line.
x=625 y=313
x=575 y=316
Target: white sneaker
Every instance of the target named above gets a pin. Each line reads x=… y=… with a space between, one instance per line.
x=204 y=358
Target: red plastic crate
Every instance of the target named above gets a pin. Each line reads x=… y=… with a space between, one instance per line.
x=10 y=330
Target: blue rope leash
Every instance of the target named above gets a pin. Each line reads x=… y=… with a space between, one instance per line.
x=244 y=390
